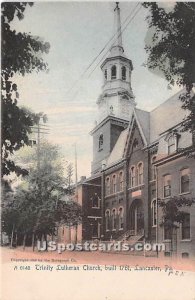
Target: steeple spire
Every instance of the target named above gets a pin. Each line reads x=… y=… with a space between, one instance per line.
x=117 y=47
x=117 y=97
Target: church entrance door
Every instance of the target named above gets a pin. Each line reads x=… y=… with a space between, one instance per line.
x=136 y=217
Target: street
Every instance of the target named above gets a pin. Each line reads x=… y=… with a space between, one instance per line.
x=94 y=258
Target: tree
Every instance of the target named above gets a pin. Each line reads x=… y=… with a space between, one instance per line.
x=20 y=54
x=171 y=50
x=40 y=204
x=173 y=215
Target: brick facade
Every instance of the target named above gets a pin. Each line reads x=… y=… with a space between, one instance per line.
x=129 y=202
x=133 y=150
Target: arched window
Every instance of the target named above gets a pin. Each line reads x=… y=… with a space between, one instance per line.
x=121 y=213
x=114 y=219
x=140 y=170
x=107 y=216
x=185 y=227
x=135 y=143
x=167 y=186
x=113 y=72
x=153 y=168
x=107 y=186
x=121 y=181
x=105 y=74
x=123 y=71
x=154 y=212
x=132 y=176
x=101 y=141
x=114 y=184
x=185 y=181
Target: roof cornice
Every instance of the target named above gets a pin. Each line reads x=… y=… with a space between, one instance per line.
x=117 y=57
x=109 y=118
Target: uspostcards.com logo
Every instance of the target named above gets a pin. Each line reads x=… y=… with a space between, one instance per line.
x=101 y=246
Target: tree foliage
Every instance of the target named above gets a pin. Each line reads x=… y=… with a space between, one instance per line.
x=171 y=50
x=21 y=54
x=40 y=203
x=172 y=210
x=172 y=47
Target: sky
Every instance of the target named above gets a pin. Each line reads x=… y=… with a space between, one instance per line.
x=77 y=32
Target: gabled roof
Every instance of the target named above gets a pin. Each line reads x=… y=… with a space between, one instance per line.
x=118 y=150
x=167 y=115
x=143 y=121
x=150 y=124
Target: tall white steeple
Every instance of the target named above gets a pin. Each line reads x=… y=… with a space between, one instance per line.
x=117 y=47
x=117 y=98
x=116 y=102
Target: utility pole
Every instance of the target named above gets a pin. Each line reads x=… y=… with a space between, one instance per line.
x=76 y=177
x=40 y=129
x=38 y=145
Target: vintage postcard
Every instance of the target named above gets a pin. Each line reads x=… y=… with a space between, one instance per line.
x=98 y=150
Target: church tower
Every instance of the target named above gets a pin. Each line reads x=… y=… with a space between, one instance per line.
x=116 y=102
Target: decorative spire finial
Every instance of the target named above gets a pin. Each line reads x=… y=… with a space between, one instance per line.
x=117 y=46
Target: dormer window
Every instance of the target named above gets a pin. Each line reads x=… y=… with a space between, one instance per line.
x=113 y=72
x=171 y=144
x=124 y=73
x=101 y=141
x=172 y=141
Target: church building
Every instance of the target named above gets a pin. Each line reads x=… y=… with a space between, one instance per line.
x=137 y=160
